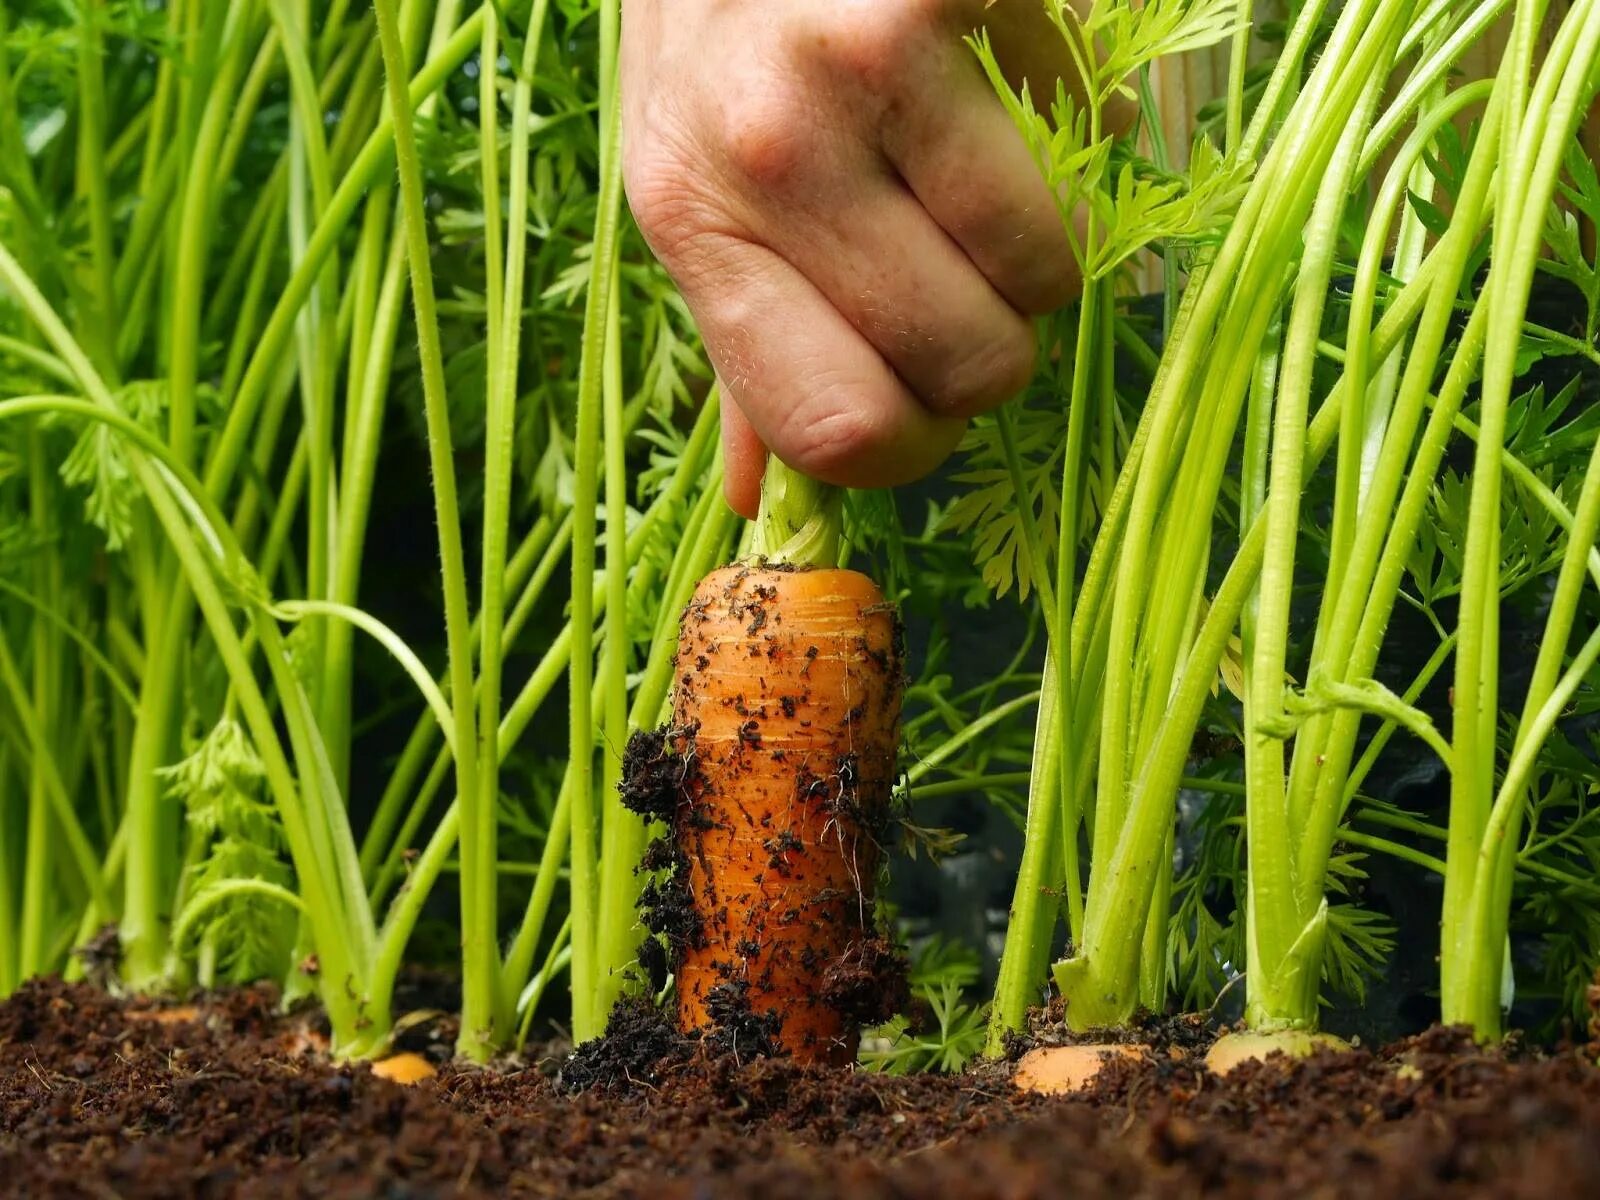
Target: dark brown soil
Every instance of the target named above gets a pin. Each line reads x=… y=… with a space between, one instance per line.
x=97 y=1099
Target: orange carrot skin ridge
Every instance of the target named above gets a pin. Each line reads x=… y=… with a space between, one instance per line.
x=787 y=703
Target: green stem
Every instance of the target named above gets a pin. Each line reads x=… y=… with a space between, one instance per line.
x=323 y=241
x=1030 y=931
x=1238 y=50
x=702 y=540
x=1385 y=535
x=323 y=861
x=800 y=521
x=1281 y=985
x=479 y=997
x=91 y=173
x=587 y=972
x=193 y=226
x=623 y=832
x=952 y=746
x=1536 y=127
x=966 y=785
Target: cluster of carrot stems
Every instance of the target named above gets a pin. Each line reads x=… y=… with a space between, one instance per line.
x=309 y=306
x=1137 y=641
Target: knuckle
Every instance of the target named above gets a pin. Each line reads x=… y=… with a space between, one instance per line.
x=992 y=373
x=1013 y=361
x=1038 y=286
x=1054 y=289
x=667 y=199
x=1023 y=251
x=876 y=41
x=832 y=436
x=768 y=139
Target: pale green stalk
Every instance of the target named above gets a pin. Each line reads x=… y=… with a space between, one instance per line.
x=1032 y=923
x=478 y=882
x=91 y=174
x=374 y=158
x=1099 y=980
x=341 y=921
x=38 y=713
x=1238 y=60
x=1477 y=650
x=193 y=226
x=622 y=832
x=1484 y=828
x=533 y=694
x=587 y=967
x=1422 y=81
x=378 y=275
x=1348 y=641
x=382 y=847
x=1549 y=692
x=1025 y=957
x=377 y=300
x=504 y=301
x=10 y=954
x=310 y=189
x=799 y=522
x=479 y=996
x=1283 y=937
x=166 y=619
x=264 y=243
x=408 y=905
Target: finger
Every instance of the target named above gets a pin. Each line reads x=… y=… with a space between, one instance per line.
x=744 y=460
x=813 y=389
x=899 y=279
x=965 y=161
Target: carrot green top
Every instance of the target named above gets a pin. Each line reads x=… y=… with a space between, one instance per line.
x=800 y=519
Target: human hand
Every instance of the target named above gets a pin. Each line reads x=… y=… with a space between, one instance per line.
x=851 y=217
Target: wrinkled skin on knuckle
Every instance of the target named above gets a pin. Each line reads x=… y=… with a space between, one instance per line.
x=768 y=136
x=664 y=206
x=668 y=194
x=682 y=212
x=842 y=435
x=1025 y=249
x=716 y=277
x=996 y=371
x=1022 y=254
x=1045 y=289
x=834 y=434
x=879 y=44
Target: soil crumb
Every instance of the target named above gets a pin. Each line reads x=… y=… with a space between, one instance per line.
x=737 y=1030
x=653 y=771
x=1171 y=1034
x=95 y=1102
x=868 y=982
x=639 y=1047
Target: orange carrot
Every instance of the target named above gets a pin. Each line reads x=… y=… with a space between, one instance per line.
x=786 y=711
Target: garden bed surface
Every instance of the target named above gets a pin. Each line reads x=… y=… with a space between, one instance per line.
x=99 y=1098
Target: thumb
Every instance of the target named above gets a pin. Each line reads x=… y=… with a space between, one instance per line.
x=744 y=460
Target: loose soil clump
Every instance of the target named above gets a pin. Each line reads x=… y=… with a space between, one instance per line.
x=98 y=1098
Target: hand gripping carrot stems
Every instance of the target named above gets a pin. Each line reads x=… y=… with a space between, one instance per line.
x=775 y=779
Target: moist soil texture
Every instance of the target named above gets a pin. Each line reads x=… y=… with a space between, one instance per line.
x=227 y=1097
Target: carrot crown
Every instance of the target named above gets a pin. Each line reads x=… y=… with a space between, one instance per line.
x=801 y=519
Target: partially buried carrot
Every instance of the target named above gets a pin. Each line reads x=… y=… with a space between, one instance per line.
x=785 y=728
